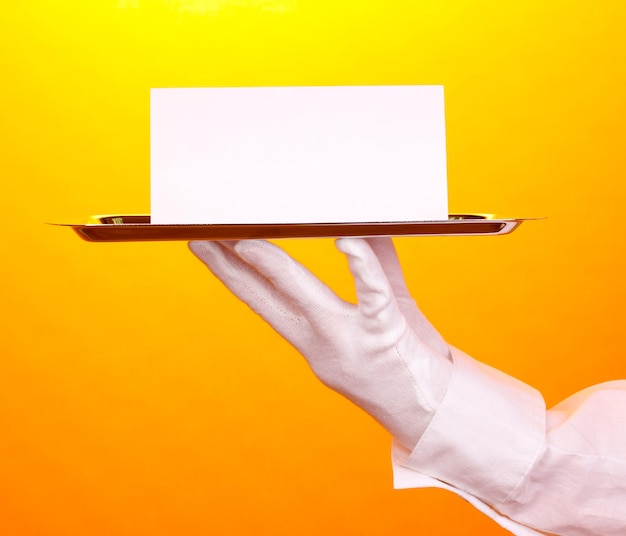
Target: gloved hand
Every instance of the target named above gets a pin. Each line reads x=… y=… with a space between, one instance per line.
x=382 y=353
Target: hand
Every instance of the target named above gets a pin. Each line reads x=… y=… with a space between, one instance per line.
x=382 y=353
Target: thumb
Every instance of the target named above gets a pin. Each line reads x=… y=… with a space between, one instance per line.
x=374 y=291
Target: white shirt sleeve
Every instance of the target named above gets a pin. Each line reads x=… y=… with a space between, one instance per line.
x=535 y=472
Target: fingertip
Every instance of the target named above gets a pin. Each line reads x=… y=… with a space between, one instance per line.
x=204 y=249
x=248 y=248
x=351 y=245
x=196 y=246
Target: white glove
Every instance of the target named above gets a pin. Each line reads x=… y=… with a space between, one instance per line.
x=382 y=353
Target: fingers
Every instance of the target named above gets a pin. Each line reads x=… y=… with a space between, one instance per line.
x=228 y=267
x=304 y=291
x=273 y=284
x=244 y=281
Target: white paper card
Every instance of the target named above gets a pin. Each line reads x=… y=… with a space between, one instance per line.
x=298 y=154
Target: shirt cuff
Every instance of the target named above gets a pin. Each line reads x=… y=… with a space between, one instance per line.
x=482 y=440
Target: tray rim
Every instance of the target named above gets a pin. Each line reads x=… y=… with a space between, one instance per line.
x=96 y=229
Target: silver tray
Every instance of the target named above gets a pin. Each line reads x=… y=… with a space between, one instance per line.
x=137 y=227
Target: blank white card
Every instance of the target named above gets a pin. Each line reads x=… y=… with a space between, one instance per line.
x=298 y=154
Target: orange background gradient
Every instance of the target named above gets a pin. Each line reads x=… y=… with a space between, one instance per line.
x=138 y=397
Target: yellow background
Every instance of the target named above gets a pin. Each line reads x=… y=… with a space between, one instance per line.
x=138 y=397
